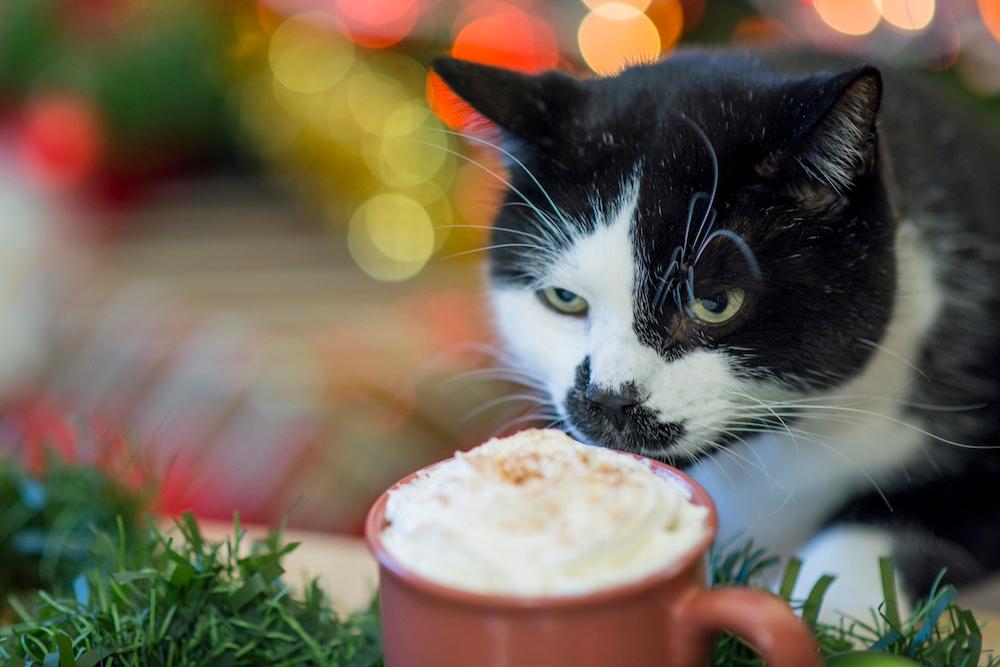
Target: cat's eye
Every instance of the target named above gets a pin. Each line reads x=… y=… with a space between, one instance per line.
x=720 y=307
x=563 y=301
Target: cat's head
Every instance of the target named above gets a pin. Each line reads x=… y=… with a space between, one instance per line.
x=684 y=239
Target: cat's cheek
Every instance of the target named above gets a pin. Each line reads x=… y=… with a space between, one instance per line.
x=547 y=344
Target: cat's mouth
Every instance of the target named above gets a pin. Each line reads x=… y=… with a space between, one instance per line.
x=639 y=431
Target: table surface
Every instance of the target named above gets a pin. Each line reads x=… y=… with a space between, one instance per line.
x=348 y=572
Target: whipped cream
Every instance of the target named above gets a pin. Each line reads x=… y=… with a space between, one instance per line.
x=539 y=514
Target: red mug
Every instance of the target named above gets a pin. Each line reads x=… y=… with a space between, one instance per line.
x=666 y=619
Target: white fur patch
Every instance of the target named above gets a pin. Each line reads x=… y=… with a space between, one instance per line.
x=600 y=267
x=850 y=553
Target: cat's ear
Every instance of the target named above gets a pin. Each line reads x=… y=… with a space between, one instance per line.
x=532 y=108
x=835 y=142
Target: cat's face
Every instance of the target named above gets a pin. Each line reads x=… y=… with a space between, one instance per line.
x=684 y=240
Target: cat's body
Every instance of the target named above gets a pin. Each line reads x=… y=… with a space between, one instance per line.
x=817 y=333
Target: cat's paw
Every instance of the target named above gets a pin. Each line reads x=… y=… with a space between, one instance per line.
x=850 y=553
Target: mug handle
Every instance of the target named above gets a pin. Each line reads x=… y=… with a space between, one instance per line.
x=764 y=620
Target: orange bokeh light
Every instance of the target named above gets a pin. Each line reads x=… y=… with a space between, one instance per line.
x=616 y=35
x=907 y=14
x=640 y=5
x=507 y=36
x=377 y=23
x=850 y=17
x=990 y=11
x=669 y=17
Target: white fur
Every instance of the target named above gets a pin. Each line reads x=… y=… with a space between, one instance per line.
x=851 y=554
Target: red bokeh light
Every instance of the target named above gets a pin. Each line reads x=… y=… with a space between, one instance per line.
x=377 y=23
x=62 y=139
x=505 y=36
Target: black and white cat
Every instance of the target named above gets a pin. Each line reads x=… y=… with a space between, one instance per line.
x=784 y=279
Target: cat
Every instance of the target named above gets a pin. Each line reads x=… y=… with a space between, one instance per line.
x=780 y=271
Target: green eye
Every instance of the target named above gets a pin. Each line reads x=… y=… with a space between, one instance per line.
x=718 y=308
x=563 y=301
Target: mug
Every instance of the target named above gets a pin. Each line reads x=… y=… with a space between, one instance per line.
x=666 y=619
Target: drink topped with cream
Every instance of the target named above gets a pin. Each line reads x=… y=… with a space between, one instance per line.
x=540 y=514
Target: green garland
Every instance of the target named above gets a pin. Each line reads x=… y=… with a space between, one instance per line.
x=176 y=599
x=49 y=525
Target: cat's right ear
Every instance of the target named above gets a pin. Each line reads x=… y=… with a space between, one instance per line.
x=533 y=108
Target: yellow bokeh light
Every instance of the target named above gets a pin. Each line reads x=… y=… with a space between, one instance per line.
x=408 y=160
x=907 y=14
x=405 y=119
x=307 y=54
x=372 y=98
x=391 y=237
x=640 y=5
x=850 y=17
x=616 y=35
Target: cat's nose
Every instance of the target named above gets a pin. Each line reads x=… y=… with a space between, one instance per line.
x=616 y=404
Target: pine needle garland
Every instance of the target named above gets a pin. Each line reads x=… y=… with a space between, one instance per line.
x=176 y=599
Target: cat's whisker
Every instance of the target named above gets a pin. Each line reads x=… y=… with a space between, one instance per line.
x=807 y=436
x=526 y=419
x=819 y=412
x=559 y=231
x=894 y=355
x=507 y=230
x=502 y=400
x=496 y=246
x=741 y=245
x=861 y=399
x=512 y=157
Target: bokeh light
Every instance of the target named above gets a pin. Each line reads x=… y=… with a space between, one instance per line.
x=907 y=14
x=670 y=19
x=373 y=97
x=391 y=237
x=406 y=161
x=640 y=5
x=307 y=54
x=377 y=23
x=990 y=11
x=62 y=139
x=850 y=17
x=616 y=35
x=505 y=36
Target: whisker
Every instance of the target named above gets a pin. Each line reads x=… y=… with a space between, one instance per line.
x=489 y=405
x=542 y=214
x=498 y=229
x=497 y=246
x=516 y=161
x=741 y=245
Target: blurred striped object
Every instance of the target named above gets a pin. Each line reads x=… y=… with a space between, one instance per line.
x=253 y=366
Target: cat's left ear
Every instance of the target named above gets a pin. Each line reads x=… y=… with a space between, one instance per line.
x=836 y=141
x=531 y=108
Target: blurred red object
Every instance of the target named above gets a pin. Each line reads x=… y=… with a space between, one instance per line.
x=62 y=139
x=377 y=23
x=503 y=35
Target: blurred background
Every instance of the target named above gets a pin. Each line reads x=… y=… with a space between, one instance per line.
x=239 y=239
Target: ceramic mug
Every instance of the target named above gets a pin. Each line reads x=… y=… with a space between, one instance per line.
x=666 y=619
